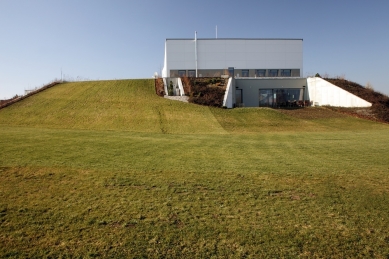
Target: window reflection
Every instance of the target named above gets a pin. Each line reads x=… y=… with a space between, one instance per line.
x=260 y=72
x=285 y=72
x=280 y=97
x=273 y=72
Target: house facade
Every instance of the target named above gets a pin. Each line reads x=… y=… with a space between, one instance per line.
x=261 y=72
x=233 y=57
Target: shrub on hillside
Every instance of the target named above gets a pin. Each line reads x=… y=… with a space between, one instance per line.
x=207 y=91
x=186 y=85
x=159 y=89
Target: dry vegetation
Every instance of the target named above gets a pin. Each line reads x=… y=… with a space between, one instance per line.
x=159 y=89
x=205 y=91
x=380 y=108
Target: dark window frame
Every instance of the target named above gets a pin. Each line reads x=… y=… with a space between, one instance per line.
x=245 y=72
x=260 y=72
x=286 y=71
x=190 y=72
x=271 y=74
x=180 y=73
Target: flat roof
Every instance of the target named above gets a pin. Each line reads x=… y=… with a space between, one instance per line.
x=234 y=39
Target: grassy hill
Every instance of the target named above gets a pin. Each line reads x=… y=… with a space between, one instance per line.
x=108 y=169
x=132 y=105
x=109 y=105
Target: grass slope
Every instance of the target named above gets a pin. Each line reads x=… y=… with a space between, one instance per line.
x=132 y=105
x=109 y=105
x=263 y=183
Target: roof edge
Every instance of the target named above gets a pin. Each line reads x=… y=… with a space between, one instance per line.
x=234 y=39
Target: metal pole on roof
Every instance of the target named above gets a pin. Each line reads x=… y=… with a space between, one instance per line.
x=196 y=50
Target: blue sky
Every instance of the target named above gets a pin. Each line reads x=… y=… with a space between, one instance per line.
x=115 y=39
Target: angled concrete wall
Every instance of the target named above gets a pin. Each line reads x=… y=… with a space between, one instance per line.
x=229 y=98
x=321 y=92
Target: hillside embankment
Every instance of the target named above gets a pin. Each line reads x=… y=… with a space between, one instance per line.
x=380 y=102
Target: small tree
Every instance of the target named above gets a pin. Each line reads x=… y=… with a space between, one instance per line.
x=369 y=86
x=317 y=75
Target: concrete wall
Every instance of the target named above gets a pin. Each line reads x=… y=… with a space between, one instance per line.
x=237 y=53
x=181 y=91
x=229 y=96
x=321 y=92
x=250 y=87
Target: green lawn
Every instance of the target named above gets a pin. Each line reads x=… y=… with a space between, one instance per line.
x=108 y=169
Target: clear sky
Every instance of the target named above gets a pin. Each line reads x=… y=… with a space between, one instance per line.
x=118 y=39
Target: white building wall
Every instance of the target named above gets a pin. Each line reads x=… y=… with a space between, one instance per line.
x=229 y=97
x=238 y=53
x=322 y=92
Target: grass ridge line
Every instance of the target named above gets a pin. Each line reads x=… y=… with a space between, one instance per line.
x=20 y=98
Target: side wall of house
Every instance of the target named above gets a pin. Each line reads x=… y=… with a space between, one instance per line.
x=321 y=92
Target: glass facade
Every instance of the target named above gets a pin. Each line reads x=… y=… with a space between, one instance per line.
x=280 y=97
x=266 y=97
x=231 y=71
x=286 y=72
x=273 y=72
x=260 y=72
x=245 y=73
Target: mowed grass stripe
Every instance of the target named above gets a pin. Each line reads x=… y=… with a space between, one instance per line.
x=296 y=153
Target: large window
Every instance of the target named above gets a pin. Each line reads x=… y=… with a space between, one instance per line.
x=245 y=73
x=181 y=73
x=260 y=72
x=288 y=97
x=191 y=73
x=285 y=72
x=266 y=97
x=273 y=72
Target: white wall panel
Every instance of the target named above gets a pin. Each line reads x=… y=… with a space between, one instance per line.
x=256 y=64
x=255 y=56
x=215 y=64
x=276 y=64
x=292 y=64
x=275 y=56
x=215 y=48
x=213 y=56
x=275 y=48
x=292 y=56
x=175 y=56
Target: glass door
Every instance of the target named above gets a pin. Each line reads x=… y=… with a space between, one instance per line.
x=238 y=98
x=266 y=97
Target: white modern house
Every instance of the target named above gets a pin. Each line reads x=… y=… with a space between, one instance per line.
x=261 y=72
